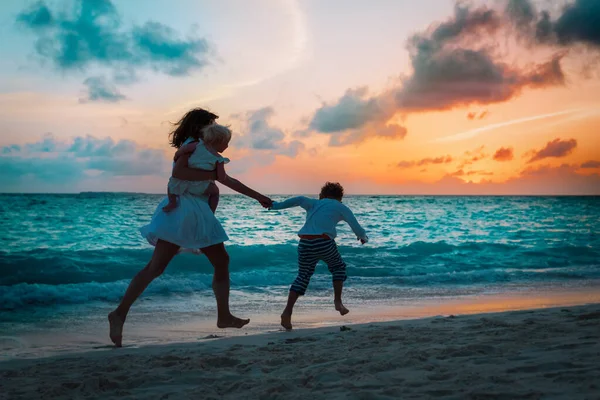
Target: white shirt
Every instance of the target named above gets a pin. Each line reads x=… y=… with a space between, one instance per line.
x=322 y=216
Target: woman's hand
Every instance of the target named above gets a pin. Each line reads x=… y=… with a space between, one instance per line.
x=264 y=201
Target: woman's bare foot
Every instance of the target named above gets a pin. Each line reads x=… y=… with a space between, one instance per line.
x=286 y=321
x=340 y=307
x=232 y=322
x=116 y=328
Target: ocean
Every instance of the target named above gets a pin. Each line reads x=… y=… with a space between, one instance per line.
x=66 y=260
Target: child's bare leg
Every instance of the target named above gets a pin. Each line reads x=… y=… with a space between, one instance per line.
x=212 y=191
x=172 y=202
x=337 y=299
x=286 y=315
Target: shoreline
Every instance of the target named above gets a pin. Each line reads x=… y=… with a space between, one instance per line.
x=549 y=352
x=65 y=337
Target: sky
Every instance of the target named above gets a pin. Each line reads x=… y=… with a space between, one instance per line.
x=386 y=97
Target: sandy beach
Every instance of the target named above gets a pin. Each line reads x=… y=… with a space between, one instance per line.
x=544 y=353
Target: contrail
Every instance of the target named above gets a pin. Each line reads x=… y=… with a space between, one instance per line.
x=475 y=132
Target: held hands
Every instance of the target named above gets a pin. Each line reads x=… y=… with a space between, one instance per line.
x=265 y=201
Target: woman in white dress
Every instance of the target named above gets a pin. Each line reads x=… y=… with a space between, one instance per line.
x=192 y=226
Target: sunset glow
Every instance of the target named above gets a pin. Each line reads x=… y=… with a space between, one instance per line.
x=391 y=97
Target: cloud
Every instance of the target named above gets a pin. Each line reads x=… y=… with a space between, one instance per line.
x=578 y=23
x=37 y=17
x=455 y=63
x=93 y=36
x=455 y=77
x=472 y=156
x=504 y=154
x=425 y=161
x=51 y=160
x=591 y=164
x=473 y=115
x=555 y=149
x=99 y=89
x=351 y=111
x=356 y=117
x=521 y=12
x=260 y=135
x=462 y=172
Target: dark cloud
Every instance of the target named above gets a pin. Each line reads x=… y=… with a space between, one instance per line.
x=37 y=16
x=356 y=117
x=466 y=21
x=52 y=160
x=259 y=134
x=555 y=149
x=353 y=110
x=99 y=89
x=579 y=22
x=159 y=46
x=591 y=164
x=425 y=161
x=447 y=74
x=445 y=78
x=521 y=12
x=504 y=154
x=93 y=36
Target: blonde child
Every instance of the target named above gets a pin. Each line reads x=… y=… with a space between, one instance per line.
x=205 y=154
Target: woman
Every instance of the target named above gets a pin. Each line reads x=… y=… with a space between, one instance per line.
x=192 y=225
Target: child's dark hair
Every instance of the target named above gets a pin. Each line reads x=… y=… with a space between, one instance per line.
x=191 y=125
x=332 y=190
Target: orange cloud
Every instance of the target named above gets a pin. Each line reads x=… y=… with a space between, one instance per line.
x=504 y=154
x=425 y=161
x=590 y=164
x=555 y=149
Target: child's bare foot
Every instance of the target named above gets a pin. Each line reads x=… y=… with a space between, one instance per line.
x=116 y=328
x=286 y=321
x=232 y=322
x=169 y=207
x=340 y=307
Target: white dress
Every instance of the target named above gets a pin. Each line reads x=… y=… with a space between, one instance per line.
x=192 y=225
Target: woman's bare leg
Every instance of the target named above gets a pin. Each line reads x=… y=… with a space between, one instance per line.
x=218 y=257
x=163 y=254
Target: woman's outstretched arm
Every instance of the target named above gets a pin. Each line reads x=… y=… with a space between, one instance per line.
x=185 y=173
x=239 y=187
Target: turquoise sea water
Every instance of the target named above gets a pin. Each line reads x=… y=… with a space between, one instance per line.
x=71 y=255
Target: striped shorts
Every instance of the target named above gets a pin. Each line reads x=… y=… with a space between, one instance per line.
x=310 y=252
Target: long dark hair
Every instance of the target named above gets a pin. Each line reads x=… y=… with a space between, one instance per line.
x=191 y=125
